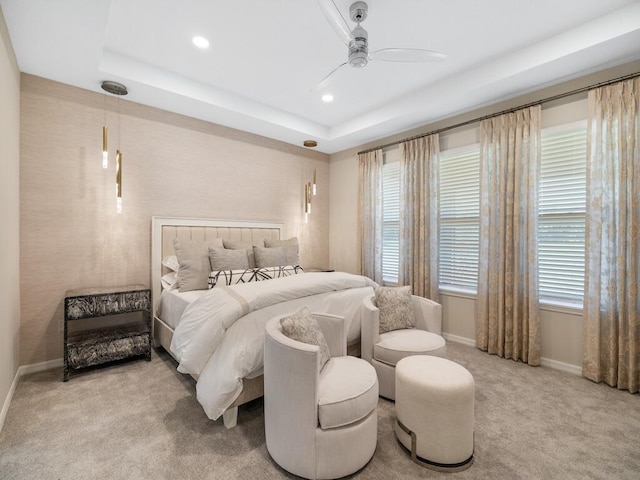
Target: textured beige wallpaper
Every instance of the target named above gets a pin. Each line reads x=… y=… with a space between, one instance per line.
x=9 y=217
x=71 y=236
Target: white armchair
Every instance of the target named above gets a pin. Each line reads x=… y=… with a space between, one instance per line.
x=384 y=350
x=318 y=425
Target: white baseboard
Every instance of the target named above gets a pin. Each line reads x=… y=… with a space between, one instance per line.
x=545 y=362
x=24 y=370
x=40 y=367
x=565 y=367
x=457 y=339
x=7 y=401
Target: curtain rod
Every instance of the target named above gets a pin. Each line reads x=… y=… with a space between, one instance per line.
x=510 y=110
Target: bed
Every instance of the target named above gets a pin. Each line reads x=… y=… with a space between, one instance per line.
x=227 y=363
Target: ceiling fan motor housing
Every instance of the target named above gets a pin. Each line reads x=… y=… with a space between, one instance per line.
x=359 y=48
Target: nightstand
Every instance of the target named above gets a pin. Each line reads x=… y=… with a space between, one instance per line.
x=96 y=343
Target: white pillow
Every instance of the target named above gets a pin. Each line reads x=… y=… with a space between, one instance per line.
x=171 y=262
x=169 y=281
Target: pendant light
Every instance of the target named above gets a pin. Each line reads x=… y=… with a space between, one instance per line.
x=314 y=187
x=105 y=149
x=310 y=190
x=118 y=181
x=118 y=89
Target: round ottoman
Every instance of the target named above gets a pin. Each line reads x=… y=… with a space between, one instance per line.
x=435 y=412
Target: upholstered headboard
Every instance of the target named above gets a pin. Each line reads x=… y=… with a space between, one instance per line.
x=165 y=229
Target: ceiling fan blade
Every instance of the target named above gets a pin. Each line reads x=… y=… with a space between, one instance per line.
x=336 y=20
x=325 y=81
x=406 y=55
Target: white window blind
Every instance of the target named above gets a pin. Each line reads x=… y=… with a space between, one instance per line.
x=391 y=221
x=561 y=221
x=459 y=217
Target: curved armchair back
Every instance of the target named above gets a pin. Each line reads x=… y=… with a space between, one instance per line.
x=428 y=314
x=291 y=389
x=369 y=328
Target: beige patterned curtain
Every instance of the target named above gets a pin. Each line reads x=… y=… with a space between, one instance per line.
x=370 y=214
x=418 y=255
x=508 y=321
x=611 y=325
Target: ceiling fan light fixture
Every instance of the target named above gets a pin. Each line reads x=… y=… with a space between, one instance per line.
x=358 y=60
x=357 y=41
x=359 y=48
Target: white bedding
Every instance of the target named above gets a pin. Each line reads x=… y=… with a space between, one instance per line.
x=220 y=338
x=173 y=303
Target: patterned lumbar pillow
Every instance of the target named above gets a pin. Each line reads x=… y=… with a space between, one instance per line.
x=302 y=327
x=396 y=308
x=233 y=277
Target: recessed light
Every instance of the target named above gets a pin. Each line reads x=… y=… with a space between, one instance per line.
x=310 y=143
x=327 y=98
x=200 y=42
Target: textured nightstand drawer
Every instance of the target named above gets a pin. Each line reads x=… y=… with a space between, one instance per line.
x=96 y=305
x=98 y=352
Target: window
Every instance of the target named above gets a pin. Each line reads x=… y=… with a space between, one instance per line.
x=390 y=222
x=561 y=221
x=459 y=217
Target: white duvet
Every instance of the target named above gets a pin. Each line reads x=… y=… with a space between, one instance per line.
x=220 y=338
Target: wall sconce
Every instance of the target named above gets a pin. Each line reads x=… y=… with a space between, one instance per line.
x=118 y=89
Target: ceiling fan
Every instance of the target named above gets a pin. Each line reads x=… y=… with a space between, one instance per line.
x=357 y=40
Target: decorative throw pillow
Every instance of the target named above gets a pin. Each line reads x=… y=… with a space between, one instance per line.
x=233 y=277
x=193 y=257
x=396 y=308
x=237 y=245
x=291 y=249
x=302 y=327
x=269 y=257
x=225 y=259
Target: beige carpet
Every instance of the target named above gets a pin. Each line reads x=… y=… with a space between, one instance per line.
x=140 y=420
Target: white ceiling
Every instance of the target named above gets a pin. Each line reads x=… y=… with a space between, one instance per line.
x=266 y=56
